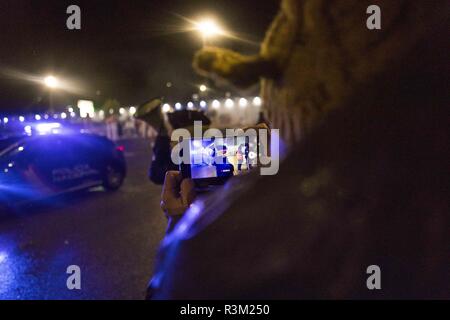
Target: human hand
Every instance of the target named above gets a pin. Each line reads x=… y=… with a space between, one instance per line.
x=177 y=194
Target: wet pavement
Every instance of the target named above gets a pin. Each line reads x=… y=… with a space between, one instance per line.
x=112 y=237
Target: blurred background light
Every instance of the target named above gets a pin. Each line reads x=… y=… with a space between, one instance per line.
x=257 y=101
x=216 y=104
x=229 y=103
x=208 y=28
x=51 y=81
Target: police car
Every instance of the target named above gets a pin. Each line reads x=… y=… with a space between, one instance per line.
x=38 y=166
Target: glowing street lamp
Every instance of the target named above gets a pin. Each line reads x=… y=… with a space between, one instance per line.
x=243 y=102
x=203 y=88
x=51 y=82
x=208 y=28
x=257 y=101
x=216 y=104
x=229 y=103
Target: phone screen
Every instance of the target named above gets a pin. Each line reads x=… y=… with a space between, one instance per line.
x=222 y=157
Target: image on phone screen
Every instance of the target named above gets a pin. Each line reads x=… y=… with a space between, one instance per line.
x=222 y=157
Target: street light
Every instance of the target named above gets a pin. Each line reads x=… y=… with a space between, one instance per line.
x=209 y=28
x=166 y=108
x=51 y=81
x=257 y=101
x=216 y=104
x=203 y=88
x=243 y=102
x=229 y=103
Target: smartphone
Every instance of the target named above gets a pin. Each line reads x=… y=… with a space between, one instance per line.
x=214 y=160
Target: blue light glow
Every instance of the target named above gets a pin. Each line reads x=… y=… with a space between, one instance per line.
x=3 y=257
x=183 y=230
x=46 y=128
x=27 y=130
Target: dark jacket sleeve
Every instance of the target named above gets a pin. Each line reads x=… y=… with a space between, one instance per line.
x=161 y=160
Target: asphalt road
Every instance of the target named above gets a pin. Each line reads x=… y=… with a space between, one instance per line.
x=112 y=237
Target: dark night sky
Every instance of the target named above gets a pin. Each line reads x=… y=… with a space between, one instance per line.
x=125 y=49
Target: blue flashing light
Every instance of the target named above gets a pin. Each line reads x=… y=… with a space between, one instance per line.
x=46 y=128
x=27 y=130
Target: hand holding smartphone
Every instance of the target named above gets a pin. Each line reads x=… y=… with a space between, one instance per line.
x=214 y=160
